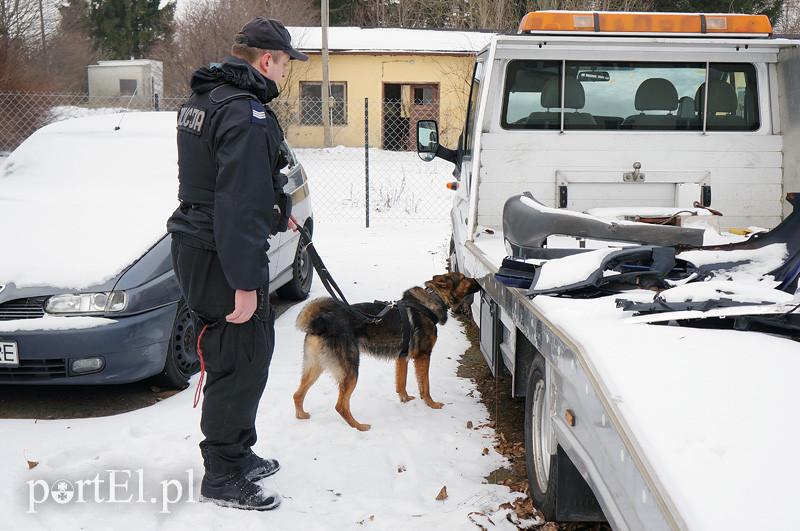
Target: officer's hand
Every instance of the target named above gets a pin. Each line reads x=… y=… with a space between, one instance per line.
x=293 y=223
x=245 y=303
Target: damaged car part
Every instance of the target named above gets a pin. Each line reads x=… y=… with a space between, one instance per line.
x=644 y=266
x=527 y=224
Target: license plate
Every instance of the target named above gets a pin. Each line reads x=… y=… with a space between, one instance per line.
x=9 y=355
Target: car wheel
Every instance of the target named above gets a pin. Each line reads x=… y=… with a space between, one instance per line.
x=299 y=286
x=540 y=444
x=182 y=361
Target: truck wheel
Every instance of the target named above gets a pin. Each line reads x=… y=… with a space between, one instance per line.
x=540 y=444
x=299 y=286
x=182 y=361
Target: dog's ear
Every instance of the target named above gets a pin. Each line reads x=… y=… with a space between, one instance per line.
x=441 y=281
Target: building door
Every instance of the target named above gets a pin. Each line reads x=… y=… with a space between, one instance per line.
x=395 y=117
x=424 y=106
x=404 y=104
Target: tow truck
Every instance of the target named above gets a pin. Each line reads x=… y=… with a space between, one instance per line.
x=581 y=129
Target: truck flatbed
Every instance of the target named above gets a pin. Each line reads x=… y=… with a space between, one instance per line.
x=674 y=428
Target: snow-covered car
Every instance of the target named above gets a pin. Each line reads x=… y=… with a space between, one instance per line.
x=87 y=291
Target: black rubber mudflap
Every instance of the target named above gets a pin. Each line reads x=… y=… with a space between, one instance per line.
x=575 y=501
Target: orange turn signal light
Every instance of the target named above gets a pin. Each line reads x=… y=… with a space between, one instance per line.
x=452 y=185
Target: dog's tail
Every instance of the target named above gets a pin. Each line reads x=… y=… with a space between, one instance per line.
x=324 y=317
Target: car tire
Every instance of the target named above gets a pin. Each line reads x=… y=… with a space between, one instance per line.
x=299 y=286
x=182 y=360
x=540 y=447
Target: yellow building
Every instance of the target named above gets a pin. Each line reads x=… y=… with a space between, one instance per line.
x=406 y=75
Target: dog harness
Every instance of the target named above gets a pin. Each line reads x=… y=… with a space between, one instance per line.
x=405 y=322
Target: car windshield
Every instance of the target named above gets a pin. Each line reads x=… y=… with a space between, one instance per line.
x=630 y=96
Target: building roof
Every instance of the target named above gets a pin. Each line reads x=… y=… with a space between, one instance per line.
x=389 y=40
x=127 y=62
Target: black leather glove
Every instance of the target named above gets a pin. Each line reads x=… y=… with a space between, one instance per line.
x=281 y=212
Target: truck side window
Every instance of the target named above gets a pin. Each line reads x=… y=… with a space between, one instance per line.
x=532 y=98
x=660 y=96
x=472 y=109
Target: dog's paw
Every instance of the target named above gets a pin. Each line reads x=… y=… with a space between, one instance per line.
x=362 y=427
x=406 y=398
x=435 y=405
x=302 y=415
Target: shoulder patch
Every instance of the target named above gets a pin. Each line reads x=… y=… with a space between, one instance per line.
x=191 y=120
x=258 y=115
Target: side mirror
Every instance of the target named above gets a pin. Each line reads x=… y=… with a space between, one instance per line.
x=427 y=139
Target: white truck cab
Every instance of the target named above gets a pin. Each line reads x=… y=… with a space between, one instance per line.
x=604 y=111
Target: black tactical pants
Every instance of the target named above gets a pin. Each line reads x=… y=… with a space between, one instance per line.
x=237 y=357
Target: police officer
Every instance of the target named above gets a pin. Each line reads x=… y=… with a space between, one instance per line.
x=232 y=200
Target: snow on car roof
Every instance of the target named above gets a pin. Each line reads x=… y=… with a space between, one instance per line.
x=83 y=201
x=356 y=39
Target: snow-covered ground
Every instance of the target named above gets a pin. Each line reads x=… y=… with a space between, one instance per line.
x=401 y=185
x=332 y=477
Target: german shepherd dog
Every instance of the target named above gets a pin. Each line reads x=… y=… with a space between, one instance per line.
x=335 y=338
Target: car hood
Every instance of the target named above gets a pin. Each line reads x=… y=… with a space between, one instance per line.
x=83 y=199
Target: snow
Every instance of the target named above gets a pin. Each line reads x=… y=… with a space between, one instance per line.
x=741 y=291
x=356 y=39
x=708 y=407
x=93 y=199
x=65 y=112
x=570 y=269
x=755 y=262
x=49 y=322
x=332 y=476
x=401 y=184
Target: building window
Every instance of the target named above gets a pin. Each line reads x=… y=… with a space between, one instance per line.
x=311 y=103
x=127 y=87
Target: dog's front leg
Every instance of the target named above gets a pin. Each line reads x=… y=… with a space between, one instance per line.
x=422 y=365
x=401 y=377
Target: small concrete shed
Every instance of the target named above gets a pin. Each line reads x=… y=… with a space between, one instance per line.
x=141 y=79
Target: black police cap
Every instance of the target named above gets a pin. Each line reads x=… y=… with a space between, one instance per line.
x=269 y=34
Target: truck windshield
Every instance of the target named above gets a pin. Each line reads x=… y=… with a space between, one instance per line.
x=630 y=96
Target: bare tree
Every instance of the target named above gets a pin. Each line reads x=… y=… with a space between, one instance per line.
x=205 y=31
x=26 y=27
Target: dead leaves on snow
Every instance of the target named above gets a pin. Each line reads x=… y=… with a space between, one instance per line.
x=442 y=494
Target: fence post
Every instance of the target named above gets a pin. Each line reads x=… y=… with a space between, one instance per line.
x=366 y=158
x=156 y=102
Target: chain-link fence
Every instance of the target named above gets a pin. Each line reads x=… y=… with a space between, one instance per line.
x=370 y=174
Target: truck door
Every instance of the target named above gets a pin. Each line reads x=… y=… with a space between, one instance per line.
x=464 y=170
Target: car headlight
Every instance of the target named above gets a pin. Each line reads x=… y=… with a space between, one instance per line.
x=110 y=301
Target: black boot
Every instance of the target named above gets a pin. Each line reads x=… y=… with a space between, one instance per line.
x=238 y=492
x=260 y=468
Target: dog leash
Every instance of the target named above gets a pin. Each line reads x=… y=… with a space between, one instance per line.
x=333 y=288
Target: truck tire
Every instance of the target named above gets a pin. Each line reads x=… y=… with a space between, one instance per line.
x=540 y=445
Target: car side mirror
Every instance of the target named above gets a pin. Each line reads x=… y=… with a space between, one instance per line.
x=427 y=139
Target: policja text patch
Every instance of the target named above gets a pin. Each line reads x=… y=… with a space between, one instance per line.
x=191 y=119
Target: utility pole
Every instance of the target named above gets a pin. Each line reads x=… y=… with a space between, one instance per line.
x=326 y=93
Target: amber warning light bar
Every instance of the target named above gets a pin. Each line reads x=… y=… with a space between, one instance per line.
x=644 y=23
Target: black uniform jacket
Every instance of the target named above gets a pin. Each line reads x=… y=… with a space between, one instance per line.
x=229 y=157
